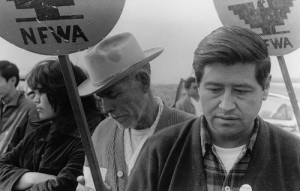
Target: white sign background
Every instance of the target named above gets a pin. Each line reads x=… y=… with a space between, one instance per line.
x=280 y=20
x=74 y=25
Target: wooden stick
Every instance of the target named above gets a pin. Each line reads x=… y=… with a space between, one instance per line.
x=178 y=91
x=289 y=87
x=81 y=120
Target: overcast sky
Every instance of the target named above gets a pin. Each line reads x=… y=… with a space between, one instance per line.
x=176 y=25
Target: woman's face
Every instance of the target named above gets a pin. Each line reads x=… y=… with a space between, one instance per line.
x=43 y=106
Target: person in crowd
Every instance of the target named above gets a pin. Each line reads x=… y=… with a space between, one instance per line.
x=119 y=73
x=15 y=108
x=229 y=147
x=190 y=103
x=51 y=155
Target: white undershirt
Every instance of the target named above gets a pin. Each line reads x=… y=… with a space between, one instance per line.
x=197 y=106
x=132 y=139
x=228 y=156
x=135 y=139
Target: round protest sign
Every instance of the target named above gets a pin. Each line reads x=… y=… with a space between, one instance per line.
x=277 y=21
x=57 y=27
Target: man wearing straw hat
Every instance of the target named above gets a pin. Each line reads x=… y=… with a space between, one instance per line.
x=119 y=73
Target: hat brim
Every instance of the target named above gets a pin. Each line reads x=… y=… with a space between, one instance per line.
x=87 y=88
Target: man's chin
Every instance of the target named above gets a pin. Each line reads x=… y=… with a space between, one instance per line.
x=227 y=127
x=228 y=130
x=226 y=123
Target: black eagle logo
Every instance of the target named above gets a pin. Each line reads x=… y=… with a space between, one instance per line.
x=45 y=9
x=266 y=16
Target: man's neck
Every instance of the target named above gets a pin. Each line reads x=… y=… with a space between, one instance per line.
x=233 y=141
x=9 y=96
x=149 y=114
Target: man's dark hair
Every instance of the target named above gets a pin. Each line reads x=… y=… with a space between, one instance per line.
x=9 y=70
x=230 y=45
x=189 y=81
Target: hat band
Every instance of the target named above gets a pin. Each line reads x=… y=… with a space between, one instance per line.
x=103 y=82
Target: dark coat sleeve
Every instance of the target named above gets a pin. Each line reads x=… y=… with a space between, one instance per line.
x=66 y=179
x=11 y=168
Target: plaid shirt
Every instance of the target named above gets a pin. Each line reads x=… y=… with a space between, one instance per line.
x=216 y=177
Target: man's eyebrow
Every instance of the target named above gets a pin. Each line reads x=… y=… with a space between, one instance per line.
x=104 y=93
x=243 y=85
x=238 y=85
x=213 y=84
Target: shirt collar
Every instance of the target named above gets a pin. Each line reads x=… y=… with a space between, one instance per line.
x=206 y=140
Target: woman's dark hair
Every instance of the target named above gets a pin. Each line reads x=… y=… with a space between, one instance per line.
x=230 y=45
x=47 y=77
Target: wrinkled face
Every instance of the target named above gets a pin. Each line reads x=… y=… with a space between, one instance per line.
x=193 y=90
x=6 y=87
x=124 y=102
x=44 y=109
x=231 y=99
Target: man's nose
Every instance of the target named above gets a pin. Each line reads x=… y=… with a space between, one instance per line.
x=227 y=101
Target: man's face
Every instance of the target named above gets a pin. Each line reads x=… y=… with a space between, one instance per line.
x=5 y=87
x=124 y=102
x=193 y=90
x=231 y=99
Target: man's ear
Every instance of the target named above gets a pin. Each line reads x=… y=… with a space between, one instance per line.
x=267 y=87
x=13 y=80
x=144 y=80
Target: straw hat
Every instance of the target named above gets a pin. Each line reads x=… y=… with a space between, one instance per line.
x=113 y=59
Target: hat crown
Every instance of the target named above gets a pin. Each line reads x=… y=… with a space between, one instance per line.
x=112 y=56
x=113 y=59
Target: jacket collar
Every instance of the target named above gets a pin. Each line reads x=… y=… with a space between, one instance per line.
x=49 y=127
x=162 y=121
x=260 y=151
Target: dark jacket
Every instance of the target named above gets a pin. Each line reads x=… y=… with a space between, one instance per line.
x=46 y=149
x=172 y=160
x=13 y=121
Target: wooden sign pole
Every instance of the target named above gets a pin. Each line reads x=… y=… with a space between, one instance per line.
x=81 y=120
x=289 y=87
x=178 y=92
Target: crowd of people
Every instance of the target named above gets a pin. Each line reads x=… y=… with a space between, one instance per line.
x=212 y=140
